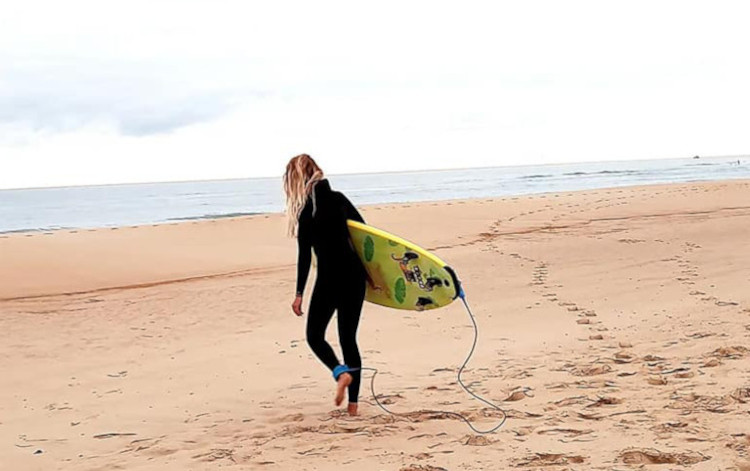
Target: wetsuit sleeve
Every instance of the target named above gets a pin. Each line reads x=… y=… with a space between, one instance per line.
x=304 y=247
x=350 y=211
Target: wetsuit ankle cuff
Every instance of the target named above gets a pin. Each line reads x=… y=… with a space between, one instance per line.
x=339 y=370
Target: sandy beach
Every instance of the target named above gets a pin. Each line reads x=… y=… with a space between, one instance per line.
x=614 y=330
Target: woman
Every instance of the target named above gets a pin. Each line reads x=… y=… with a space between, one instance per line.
x=317 y=217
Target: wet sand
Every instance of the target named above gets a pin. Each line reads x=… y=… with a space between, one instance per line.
x=614 y=332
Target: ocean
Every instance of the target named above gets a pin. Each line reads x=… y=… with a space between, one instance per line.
x=46 y=209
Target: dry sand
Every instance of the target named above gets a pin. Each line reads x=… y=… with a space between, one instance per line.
x=614 y=331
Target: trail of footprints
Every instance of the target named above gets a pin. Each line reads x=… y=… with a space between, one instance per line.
x=689 y=274
x=539 y=279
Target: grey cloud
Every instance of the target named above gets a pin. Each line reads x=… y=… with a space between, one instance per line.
x=139 y=101
x=165 y=115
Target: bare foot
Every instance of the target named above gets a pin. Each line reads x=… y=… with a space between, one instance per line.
x=345 y=379
x=352 y=408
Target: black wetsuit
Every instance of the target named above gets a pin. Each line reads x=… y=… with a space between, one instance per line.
x=341 y=278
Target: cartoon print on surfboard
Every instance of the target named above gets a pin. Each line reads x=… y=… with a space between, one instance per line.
x=414 y=274
x=402 y=275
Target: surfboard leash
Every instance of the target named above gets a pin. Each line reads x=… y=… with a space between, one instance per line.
x=462 y=295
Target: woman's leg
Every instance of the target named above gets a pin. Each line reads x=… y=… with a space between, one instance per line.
x=350 y=308
x=321 y=310
x=322 y=305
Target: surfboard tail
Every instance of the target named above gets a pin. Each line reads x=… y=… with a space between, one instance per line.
x=411 y=277
x=456 y=282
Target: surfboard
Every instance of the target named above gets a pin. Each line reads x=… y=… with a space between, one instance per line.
x=401 y=274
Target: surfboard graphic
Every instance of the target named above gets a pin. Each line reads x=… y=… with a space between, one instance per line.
x=402 y=274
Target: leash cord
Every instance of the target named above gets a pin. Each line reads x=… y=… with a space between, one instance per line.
x=460 y=370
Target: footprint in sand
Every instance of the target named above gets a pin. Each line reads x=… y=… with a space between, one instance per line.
x=657 y=380
x=624 y=357
x=741 y=395
x=692 y=402
x=419 y=467
x=476 y=440
x=590 y=370
x=518 y=395
x=731 y=353
x=289 y=418
x=640 y=456
x=726 y=303
x=605 y=401
x=216 y=454
x=548 y=459
x=570 y=401
x=388 y=399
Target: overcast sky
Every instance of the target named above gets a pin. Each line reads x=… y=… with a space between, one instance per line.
x=124 y=91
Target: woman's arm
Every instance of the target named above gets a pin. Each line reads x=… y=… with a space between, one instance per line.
x=304 y=246
x=350 y=211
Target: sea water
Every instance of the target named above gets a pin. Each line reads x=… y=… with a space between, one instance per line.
x=151 y=203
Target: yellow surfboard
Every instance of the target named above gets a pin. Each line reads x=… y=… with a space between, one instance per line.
x=402 y=275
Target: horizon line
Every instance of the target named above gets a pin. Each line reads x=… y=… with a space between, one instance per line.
x=385 y=172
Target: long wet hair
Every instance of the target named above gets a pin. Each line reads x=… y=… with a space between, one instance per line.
x=302 y=173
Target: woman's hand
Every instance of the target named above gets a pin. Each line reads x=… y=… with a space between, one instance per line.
x=297 y=305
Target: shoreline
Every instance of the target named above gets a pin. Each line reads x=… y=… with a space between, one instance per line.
x=234 y=215
x=158 y=251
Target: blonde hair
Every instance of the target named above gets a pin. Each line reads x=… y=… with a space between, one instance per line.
x=302 y=173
